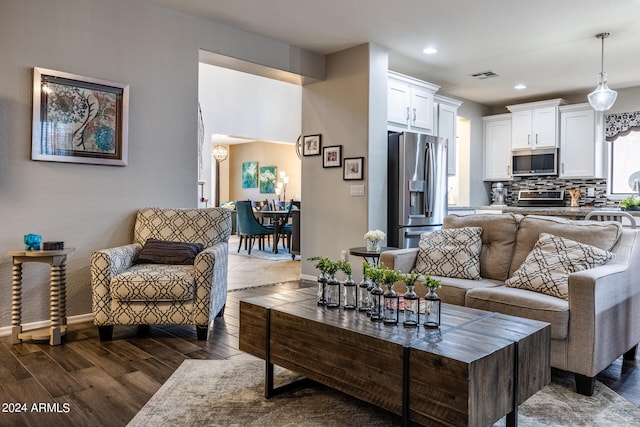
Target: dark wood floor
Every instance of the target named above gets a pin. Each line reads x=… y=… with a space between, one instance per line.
x=88 y=383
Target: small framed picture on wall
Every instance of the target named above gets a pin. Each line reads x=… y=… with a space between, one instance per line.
x=332 y=156
x=311 y=145
x=353 y=168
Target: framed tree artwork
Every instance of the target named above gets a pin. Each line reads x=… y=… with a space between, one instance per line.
x=79 y=119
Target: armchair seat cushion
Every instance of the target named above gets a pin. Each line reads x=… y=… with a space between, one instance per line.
x=154 y=282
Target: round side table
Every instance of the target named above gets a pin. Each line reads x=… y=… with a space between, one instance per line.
x=370 y=256
x=57 y=259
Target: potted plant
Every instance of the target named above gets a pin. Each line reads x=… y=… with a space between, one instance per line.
x=631 y=203
x=323 y=264
x=411 y=300
x=432 y=303
x=350 y=289
x=374 y=239
x=431 y=283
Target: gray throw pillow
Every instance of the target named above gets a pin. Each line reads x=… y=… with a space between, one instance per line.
x=157 y=251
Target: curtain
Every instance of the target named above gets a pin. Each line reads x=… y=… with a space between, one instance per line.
x=621 y=124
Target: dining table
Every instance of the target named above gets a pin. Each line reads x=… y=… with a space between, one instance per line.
x=278 y=220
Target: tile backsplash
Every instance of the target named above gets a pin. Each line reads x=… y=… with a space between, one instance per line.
x=551 y=183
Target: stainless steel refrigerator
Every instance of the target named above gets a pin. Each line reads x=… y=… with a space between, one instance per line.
x=417 y=187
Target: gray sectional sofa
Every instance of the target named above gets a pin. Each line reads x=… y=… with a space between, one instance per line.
x=600 y=319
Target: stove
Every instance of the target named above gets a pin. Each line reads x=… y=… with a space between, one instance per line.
x=540 y=198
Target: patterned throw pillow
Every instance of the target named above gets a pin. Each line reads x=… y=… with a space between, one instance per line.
x=157 y=251
x=547 y=267
x=451 y=252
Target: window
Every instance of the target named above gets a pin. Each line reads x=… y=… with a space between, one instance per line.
x=623 y=132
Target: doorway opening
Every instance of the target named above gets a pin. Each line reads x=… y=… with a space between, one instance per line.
x=459 y=189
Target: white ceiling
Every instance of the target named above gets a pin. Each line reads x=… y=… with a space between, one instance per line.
x=549 y=45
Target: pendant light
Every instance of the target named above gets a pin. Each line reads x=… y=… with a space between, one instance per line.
x=602 y=98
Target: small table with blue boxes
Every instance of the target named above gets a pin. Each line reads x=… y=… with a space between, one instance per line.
x=57 y=259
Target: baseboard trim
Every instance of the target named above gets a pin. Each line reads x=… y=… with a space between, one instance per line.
x=80 y=318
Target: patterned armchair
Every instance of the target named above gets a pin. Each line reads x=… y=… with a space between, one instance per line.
x=126 y=293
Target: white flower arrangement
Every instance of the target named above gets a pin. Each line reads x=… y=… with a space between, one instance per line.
x=267 y=176
x=374 y=235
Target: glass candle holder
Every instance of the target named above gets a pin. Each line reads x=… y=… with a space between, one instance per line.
x=432 y=305
x=333 y=292
x=322 y=289
x=391 y=303
x=411 y=309
x=377 y=302
x=364 y=287
x=350 y=293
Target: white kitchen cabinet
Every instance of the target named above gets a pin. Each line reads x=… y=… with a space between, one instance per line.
x=497 y=147
x=410 y=104
x=581 y=142
x=446 y=118
x=535 y=124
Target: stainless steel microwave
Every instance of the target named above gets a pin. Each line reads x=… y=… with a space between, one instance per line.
x=534 y=162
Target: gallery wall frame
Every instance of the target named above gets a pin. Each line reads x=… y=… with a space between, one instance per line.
x=332 y=156
x=353 y=168
x=79 y=119
x=311 y=145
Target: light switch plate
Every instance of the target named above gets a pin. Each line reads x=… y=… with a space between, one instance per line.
x=357 y=190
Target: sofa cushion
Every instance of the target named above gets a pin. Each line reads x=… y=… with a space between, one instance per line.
x=603 y=235
x=153 y=282
x=523 y=303
x=453 y=290
x=547 y=267
x=452 y=253
x=498 y=240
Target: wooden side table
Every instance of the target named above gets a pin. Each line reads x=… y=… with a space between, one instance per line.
x=57 y=259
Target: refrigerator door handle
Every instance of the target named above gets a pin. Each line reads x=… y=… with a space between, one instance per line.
x=429 y=172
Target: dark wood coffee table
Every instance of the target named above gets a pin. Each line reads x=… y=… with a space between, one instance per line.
x=473 y=371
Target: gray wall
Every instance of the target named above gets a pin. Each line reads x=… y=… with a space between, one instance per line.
x=340 y=109
x=89 y=207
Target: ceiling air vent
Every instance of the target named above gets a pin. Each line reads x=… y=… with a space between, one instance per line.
x=484 y=75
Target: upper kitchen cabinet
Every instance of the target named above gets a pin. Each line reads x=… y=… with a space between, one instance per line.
x=446 y=119
x=535 y=124
x=582 y=153
x=410 y=104
x=497 y=147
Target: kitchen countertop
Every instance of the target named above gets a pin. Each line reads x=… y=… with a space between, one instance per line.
x=565 y=211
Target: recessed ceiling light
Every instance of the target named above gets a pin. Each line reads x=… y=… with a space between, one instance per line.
x=429 y=50
x=520 y=86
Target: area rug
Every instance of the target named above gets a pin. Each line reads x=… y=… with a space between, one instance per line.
x=267 y=253
x=231 y=393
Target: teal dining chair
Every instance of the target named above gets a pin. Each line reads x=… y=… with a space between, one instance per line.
x=249 y=228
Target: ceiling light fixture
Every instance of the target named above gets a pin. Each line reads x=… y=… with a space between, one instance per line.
x=520 y=86
x=430 y=50
x=602 y=98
